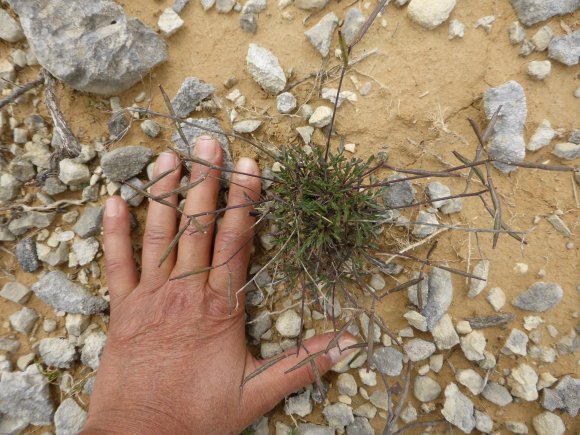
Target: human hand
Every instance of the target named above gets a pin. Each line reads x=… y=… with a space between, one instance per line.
x=175 y=356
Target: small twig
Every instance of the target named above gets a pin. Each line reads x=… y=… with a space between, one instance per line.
x=22 y=90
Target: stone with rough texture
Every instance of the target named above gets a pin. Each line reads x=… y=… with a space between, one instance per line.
x=92 y=349
x=542 y=38
x=265 y=69
x=69 y=417
x=89 y=223
x=419 y=349
x=299 y=404
x=497 y=394
x=436 y=190
x=57 y=352
x=566 y=49
x=565 y=396
x=15 y=292
x=150 y=128
x=444 y=333
x=388 y=361
x=353 y=23
x=338 y=415
x=567 y=151
x=522 y=382
x=29 y=220
x=458 y=409
x=398 y=194
x=439 y=297
x=314 y=429
x=548 y=423
x=125 y=162
x=456 y=29
x=539 y=297
x=426 y=389
x=516 y=427
x=539 y=69
x=425 y=224
x=516 y=343
x=56 y=290
x=360 y=426
x=310 y=5
x=130 y=195
x=91 y=45
x=470 y=379
x=533 y=11
x=288 y=324
x=320 y=35
x=476 y=286
x=430 y=14
x=26 y=396
x=285 y=102
x=169 y=22
x=483 y=422
x=191 y=92
x=247 y=126
x=473 y=345
x=22 y=321
x=10 y=30
x=541 y=137
x=508 y=142
x=321 y=117
x=26 y=255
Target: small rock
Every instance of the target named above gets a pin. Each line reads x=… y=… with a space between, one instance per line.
x=483 y=422
x=516 y=343
x=463 y=327
x=23 y=321
x=456 y=29
x=426 y=389
x=368 y=377
x=310 y=5
x=539 y=297
x=425 y=224
x=150 y=128
x=516 y=32
x=565 y=49
x=539 y=69
x=485 y=23
x=473 y=345
x=565 y=396
x=388 y=361
x=458 y=409
x=75 y=324
x=346 y=384
x=9 y=187
x=85 y=250
x=57 y=352
x=476 y=286
x=542 y=136
x=436 y=190
x=338 y=415
x=179 y=5
x=542 y=38
x=10 y=30
x=264 y=68
x=191 y=92
x=130 y=195
x=225 y=6
x=93 y=349
x=57 y=291
x=398 y=194
x=416 y=320
x=531 y=12
x=26 y=255
x=69 y=418
x=321 y=117
x=471 y=379
x=567 y=151
x=444 y=333
x=126 y=162
x=320 y=35
x=286 y=102
x=360 y=426
x=31 y=219
x=409 y=414
x=559 y=225
x=419 y=349
x=169 y=22
x=353 y=22
x=259 y=324
x=516 y=427
x=288 y=324
x=548 y=423
x=522 y=381
x=247 y=126
x=439 y=297
x=569 y=343
x=305 y=133
x=15 y=292
x=429 y=14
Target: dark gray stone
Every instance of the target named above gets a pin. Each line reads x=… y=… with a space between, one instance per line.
x=249 y=22
x=118 y=124
x=56 y=290
x=531 y=12
x=126 y=162
x=399 y=194
x=539 y=297
x=565 y=396
x=191 y=92
x=26 y=255
x=91 y=45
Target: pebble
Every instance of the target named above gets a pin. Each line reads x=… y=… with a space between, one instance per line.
x=531 y=12
x=508 y=140
x=516 y=427
x=542 y=136
x=26 y=255
x=190 y=94
x=299 y=404
x=456 y=29
x=125 y=162
x=368 y=377
x=93 y=349
x=429 y=14
x=49 y=325
x=483 y=422
x=150 y=128
x=439 y=297
x=131 y=196
x=398 y=194
x=75 y=324
x=419 y=349
x=444 y=333
x=56 y=290
x=522 y=382
x=305 y=133
x=379 y=399
x=569 y=343
x=265 y=69
x=470 y=379
x=338 y=415
x=69 y=417
x=365 y=410
x=353 y=23
x=23 y=320
x=539 y=297
x=458 y=409
x=360 y=426
x=286 y=103
x=416 y=320
x=57 y=352
x=565 y=49
x=542 y=38
x=548 y=423
x=476 y=286
x=10 y=30
x=546 y=380
x=426 y=389
x=563 y=396
x=516 y=33
x=485 y=22
x=15 y=292
x=408 y=414
x=425 y=224
x=346 y=384
x=463 y=327
x=30 y=220
x=539 y=69
x=516 y=343
x=321 y=117
x=567 y=151
x=437 y=190
x=473 y=345
x=388 y=361
x=169 y=22
x=311 y=5
x=26 y=394
x=320 y=35
x=288 y=324
x=8 y=345
x=9 y=187
x=247 y=126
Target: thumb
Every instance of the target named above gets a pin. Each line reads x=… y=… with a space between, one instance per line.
x=276 y=382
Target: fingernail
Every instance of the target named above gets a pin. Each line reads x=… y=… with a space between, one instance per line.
x=166 y=161
x=111 y=207
x=337 y=354
x=206 y=148
x=247 y=166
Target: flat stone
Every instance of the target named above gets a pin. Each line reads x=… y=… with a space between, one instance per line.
x=288 y=324
x=516 y=33
x=483 y=422
x=69 y=417
x=265 y=69
x=353 y=23
x=508 y=142
x=476 y=286
x=91 y=45
x=436 y=190
x=470 y=379
x=30 y=220
x=426 y=389
x=15 y=292
x=541 y=137
x=247 y=126
x=56 y=290
x=320 y=35
x=130 y=195
x=26 y=396
x=548 y=423
x=539 y=297
x=522 y=382
x=458 y=409
x=338 y=415
x=558 y=224
x=57 y=352
x=567 y=151
x=125 y=162
x=473 y=345
x=388 y=361
x=321 y=117
x=191 y=92
x=311 y=5
x=299 y=404
x=169 y=22
x=516 y=343
x=429 y=14
x=531 y=12
x=425 y=224
x=399 y=194
x=439 y=297
x=93 y=349
x=542 y=38
x=23 y=320
x=516 y=427
x=150 y=128
x=566 y=49
x=444 y=333
x=419 y=349
x=286 y=103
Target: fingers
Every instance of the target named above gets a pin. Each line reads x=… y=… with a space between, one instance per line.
x=160 y=227
x=121 y=271
x=195 y=243
x=267 y=389
x=235 y=236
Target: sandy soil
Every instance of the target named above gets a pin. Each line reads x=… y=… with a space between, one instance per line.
x=424 y=87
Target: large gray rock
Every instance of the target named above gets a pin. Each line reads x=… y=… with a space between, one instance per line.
x=566 y=49
x=508 y=142
x=320 y=35
x=91 y=45
x=26 y=396
x=191 y=92
x=533 y=11
x=69 y=418
x=126 y=162
x=56 y=290
x=458 y=409
x=265 y=69
x=539 y=297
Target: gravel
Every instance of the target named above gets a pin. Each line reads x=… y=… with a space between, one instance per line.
x=311 y=5
x=473 y=345
x=542 y=38
x=444 y=333
x=191 y=92
x=425 y=224
x=69 y=417
x=388 y=361
x=286 y=103
x=419 y=349
x=30 y=220
x=497 y=394
x=470 y=379
x=15 y=292
x=565 y=396
x=26 y=255
x=522 y=382
x=338 y=415
x=439 y=296
x=458 y=409
x=456 y=30
x=516 y=343
x=320 y=35
x=125 y=162
x=476 y=286
x=426 y=389
x=288 y=324
x=353 y=23
x=539 y=69
x=360 y=426
x=23 y=320
x=566 y=49
x=539 y=297
x=429 y=14
x=299 y=404
x=265 y=69
x=57 y=352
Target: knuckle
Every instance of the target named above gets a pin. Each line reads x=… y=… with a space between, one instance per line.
x=114 y=264
x=156 y=235
x=227 y=236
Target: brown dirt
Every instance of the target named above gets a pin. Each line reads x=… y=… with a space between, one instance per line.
x=416 y=75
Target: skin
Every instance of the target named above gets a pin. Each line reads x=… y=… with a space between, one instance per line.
x=175 y=356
